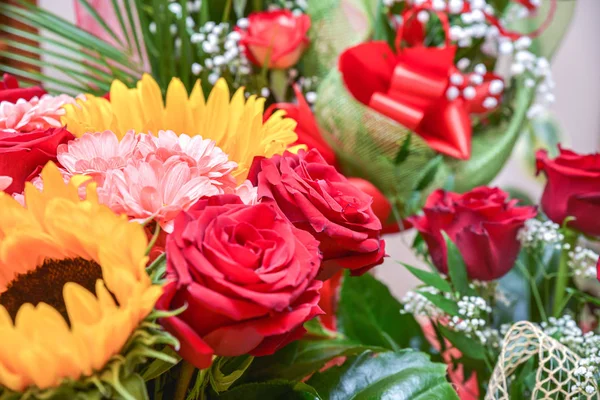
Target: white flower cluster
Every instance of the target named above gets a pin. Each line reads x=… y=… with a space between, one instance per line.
x=419 y=306
x=535 y=232
x=583 y=262
x=472 y=311
x=219 y=47
x=475 y=79
x=585 y=371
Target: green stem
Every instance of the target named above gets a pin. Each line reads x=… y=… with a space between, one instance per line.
x=226 y=11
x=183 y=383
x=563 y=275
x=154 y=238
x=534 y=313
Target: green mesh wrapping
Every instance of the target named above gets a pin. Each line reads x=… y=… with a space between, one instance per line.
x=367 y=142
x=334 y=29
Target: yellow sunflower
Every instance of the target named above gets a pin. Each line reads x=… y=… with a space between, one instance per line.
x=73 y=284
x=235 y=124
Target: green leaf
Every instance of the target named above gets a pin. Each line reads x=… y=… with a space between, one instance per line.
x=444 y=304
x=158 y=366
x=429 y=278
x=136 y=387
x=428 y=173
x=301 y=358
x=234 y=368
x=457 y=269
x=403 y=375
x=370 y=315
x=404 y=151
x=468 y=346
x=314 y=327
x=100 y=21
x=272 y=390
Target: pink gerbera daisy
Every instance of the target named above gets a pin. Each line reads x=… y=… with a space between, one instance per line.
x=38 y=113
x=155 y=189
x=204 y=154
x=96 y=153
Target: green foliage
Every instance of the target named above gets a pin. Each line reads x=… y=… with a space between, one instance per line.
x=225 y=371
x=272 y=390
x=387 y=376
x=370 y=315
x=301 y=358
x=457 y=269
x=430 y=278
x=89 y=64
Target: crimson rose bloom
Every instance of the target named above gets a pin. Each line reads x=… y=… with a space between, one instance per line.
x=246 y=275
x=278 y=36
x=11 y=92
x=318 y=199
x=572 y=189
x=484 y=225
x=22 y=155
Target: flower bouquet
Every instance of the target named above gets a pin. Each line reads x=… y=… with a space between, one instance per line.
x=174 y=225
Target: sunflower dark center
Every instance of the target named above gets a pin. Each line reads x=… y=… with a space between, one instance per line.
x=45 y=284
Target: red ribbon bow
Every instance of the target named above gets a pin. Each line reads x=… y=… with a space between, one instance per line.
x=421 y=88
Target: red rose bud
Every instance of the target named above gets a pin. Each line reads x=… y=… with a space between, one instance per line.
x=11 y=92
x=277 y=36
x=572 y=189
x=307 y=128
x=247 y=276
x=484 y=225
x=22 y=155
x=320 y=200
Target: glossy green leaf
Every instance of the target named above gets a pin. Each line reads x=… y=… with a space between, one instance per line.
x=272 y=390
x=301 y=358
x=370 y=315
x=403 y=375
x=457 y=269
x=429 y=278
x=448 y=306
x=467 y=346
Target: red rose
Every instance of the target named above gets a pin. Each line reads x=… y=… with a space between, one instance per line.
x=572 y=189
x=11 y=92
x=22 y=155
x=484 y=225
x=307 y=128
x=330 y=294
x=320 y=200
x=246 y=275
x=277 y=36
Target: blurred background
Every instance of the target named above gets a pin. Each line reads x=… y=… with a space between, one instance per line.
x=576 y=112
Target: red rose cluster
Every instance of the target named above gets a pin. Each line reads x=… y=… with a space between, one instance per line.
x=484 y=225
x=250 y=275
